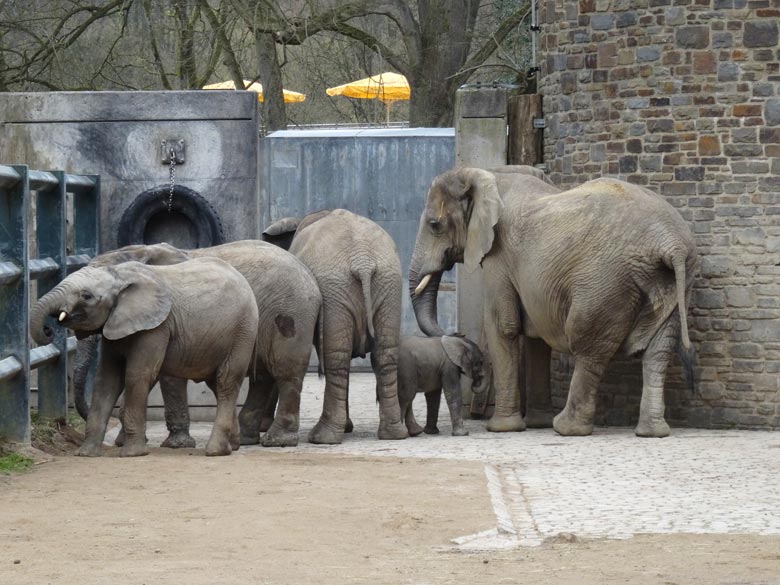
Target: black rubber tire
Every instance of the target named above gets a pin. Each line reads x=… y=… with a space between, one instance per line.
x=185 y=201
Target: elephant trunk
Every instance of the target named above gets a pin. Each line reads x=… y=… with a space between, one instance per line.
x=48 y=304
x=86 y=352
x=425 y=302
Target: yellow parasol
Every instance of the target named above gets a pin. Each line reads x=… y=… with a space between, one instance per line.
x=386 y=87
x=289 y=96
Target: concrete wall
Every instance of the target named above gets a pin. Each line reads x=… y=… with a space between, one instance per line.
x=683 y=97
x=117 y=136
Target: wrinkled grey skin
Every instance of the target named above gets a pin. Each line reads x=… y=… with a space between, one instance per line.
x=157 y=320
x=601 y=270
x=288 y=302
x=433 y=364
x=358 y=271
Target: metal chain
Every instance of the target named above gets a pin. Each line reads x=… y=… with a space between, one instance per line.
x=173 y=177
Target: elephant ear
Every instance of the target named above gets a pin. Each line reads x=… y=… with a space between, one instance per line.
x=486 y=206
x=143 y=302
x=281 y=232
x=459 y=353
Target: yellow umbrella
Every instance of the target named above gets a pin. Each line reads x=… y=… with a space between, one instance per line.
x=387 y=87
x=289 y=96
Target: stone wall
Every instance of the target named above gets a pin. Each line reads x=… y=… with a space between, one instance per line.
x=682 y=96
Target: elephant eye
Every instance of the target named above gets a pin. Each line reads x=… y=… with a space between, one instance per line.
x=86 y=296
x=435 y=225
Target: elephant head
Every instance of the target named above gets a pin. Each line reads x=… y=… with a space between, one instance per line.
x=117 y=301
x=469 y=359
x=457 y=225
x=282 y=232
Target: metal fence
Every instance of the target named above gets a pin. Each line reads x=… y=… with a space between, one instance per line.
x=48 y=231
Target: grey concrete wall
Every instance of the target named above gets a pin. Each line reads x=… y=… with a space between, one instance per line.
x=683 y=97
x=117 y=136
x=382 y=174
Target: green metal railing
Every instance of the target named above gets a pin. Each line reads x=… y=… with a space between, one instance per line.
x=18 y=270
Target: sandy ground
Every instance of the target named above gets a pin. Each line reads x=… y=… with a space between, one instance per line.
x=386 y=512
x=279 y=518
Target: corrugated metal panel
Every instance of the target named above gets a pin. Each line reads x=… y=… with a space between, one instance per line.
x=382 y=174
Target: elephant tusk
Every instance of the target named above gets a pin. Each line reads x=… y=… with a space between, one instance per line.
x=63 y=316
x=423 y=283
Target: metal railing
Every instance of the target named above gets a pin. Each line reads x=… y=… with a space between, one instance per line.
x=18 y=270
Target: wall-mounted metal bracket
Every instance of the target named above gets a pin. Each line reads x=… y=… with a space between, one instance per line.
x=539 y=123
x=177 y=145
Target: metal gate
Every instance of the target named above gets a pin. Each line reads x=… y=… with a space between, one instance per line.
x=48 y=230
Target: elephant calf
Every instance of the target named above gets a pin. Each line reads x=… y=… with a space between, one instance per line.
x=157 y=320
x=430 y=364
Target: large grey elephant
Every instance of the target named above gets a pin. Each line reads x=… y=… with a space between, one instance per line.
x=288 y=302
x=157 y=320
x=601 y=270
x=358 y=271
x=434 y=364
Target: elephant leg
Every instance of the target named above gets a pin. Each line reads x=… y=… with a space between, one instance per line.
x=454 y=397
x=269 y=412
x=654 y=365
x=109 y=381
x=256 y=406
x=235 y=432
x=177 y=413
x=284 y=430
x=137 y=389
x=384 y=361
x=432 y=402
x=576 y=419
x=536 y=369
x=330 y=428
x=411 y=422
x=502 y=329
x=227 y=383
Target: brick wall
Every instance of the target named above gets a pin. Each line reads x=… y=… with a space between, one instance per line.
x=682 y=96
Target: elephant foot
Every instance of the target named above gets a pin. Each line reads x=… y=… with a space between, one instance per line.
x=89 y=450
x=459 y=432
x=349 y=427
x=178 y=440
x=657 y=429
x=218 y=447
x=568 y=426
x=280 y=439
x=119 y=441
x=506 y=424
x=265 y=424
x=134 y=449
x=431 y=430
x=392 y=431
x=414 y=430
x=538 y=419
x=324 y=434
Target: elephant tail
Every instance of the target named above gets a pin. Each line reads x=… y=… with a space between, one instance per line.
x=678 y=265
x=320 y=343
x=364 y=275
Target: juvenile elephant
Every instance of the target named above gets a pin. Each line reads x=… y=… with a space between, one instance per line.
x=158 y=320
x=601 y=270
x=288 y=303
x=356 y=265
x=433 y=364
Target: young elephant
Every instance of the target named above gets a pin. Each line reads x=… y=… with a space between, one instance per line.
x=430 y=364
x=195 y=320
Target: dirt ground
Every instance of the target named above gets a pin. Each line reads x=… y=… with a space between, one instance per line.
x=268 y=517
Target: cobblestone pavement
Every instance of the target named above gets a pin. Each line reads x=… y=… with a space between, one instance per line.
x=608 y=485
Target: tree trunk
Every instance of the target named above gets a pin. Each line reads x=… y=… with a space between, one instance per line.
x=274 y=113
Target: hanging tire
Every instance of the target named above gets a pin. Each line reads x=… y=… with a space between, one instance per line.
x=186 y=202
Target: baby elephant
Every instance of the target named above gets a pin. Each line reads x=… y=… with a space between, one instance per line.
x=430 y=364
x=196 y=320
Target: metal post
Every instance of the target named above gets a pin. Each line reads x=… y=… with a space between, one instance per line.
x=51 y=205
x=14 y=302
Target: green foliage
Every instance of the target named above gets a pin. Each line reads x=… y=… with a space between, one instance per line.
x=14 y=463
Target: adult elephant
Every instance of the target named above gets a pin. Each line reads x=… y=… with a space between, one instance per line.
x=601 y=270
x=358 y=271
x=289 y=305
